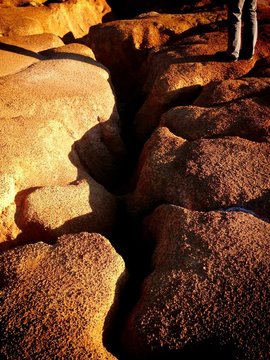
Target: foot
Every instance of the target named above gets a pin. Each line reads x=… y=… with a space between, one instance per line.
x=245 y=56
x=224 y=56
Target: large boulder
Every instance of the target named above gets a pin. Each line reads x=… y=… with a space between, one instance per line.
x=56 y=299
x=177 y=73
x=231 y=119
x=19 y=52
x=205 y=174
x=207 y=296
x=56 y=115
x=56 y=210
x=123 y=46
x=70 y=18
x=222 y=92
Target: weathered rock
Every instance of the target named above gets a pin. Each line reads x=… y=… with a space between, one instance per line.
x=262 y=68
x=58 y=210
x=57 y=18
x=221 y=92
x=19 y=52
x=208 y=293
x=177 y=73
x=247 y=118
x=206 y=174
x=123 y=46
x=55 y=299
x=70 y=51
x=49 y=109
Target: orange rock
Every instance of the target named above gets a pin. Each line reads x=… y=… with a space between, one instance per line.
x=207 y=295
x=19 y=52
x=231 y=119
x=221 y=92
x=53 y=211
x=206 y=174
x=177 y=73
x=49 y=113
x=55 y=299
x=57 y=18
x=123 y=46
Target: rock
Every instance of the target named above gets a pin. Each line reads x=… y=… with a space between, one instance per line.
x=231 y=119
x=62 y=18
x=55 y=299
x=222 y=92
x=206 y=174
x=19 y=52
x=85 y=206
x=207 y=295
x=176 y=74
x=58 y=110
x=262 y=68
x=70 y=51
x=123 y=46
x=47 y=110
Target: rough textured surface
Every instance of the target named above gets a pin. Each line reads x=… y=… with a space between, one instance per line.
x=206 y=174
x=47 y=118
x=41 y=100
x=123 y=46
x=222 y=92
x=57 y=210
x=176 y=74
x=55 y=299
x=19 y=52
x=247 y=118
x=68 y=17
x=208 y=293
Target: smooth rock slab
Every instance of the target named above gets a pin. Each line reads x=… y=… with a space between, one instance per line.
x=208 y=293
x=206 y=174
x=55 y=299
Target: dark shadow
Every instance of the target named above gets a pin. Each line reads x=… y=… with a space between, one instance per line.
x=20 y=50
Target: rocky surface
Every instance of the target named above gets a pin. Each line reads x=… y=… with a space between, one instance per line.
x=123 y=46
x=53 y=125
x=68 y=18
x=85 y=206
x=233 y=119
x=69 y=163
x=55 y=299
x=177 y=73
x=208 y=292
x=205 y=174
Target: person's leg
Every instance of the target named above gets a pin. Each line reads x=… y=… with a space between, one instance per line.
x=235 y=8
x=250 y=32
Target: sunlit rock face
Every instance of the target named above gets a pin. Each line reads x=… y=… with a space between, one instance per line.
x=207 y=294
x=19 y=52
x=223 y=108
x=56 y=115
x=177 y=73
x=85 y=206
x=55 y=298
x=63 y=18
x=123 y=46
x=206 y=174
